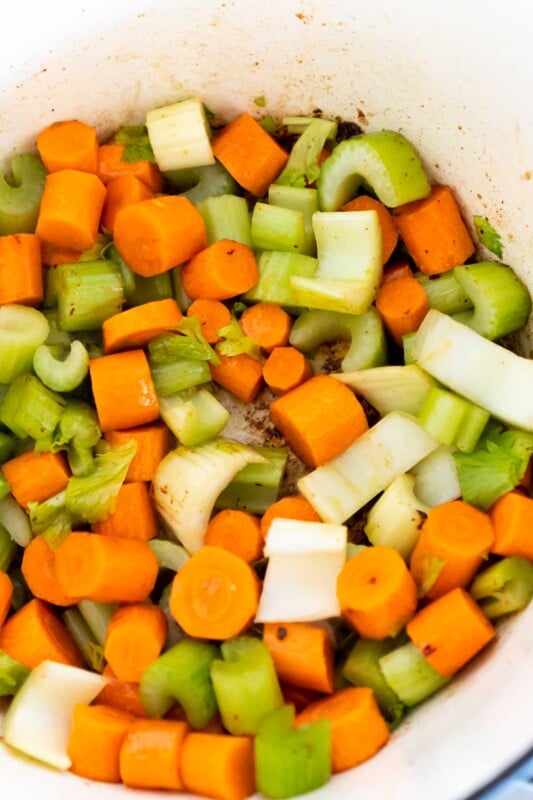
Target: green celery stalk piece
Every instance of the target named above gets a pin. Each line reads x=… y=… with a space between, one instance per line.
x=199 y=183
x=88 y=292
x=472 y=426
x=488 y=235
x=92 y=652
x=234 y=341
x=170 y=555
x=30 y=409
x=136 y=143
x=442 y=414
x=182 y=374
x=444 y=292
x=276 y=269
x=302 y=168
x=8 y=547
x=7 y=446
x=194 y=417
x=299 y=199
x=97 y=617
x=410 y=675
x=187 y=342
x=391 y=388
x=362 y=668
x=174 y=632
x=278 y=228
x=12 y=674
x=256 y=486
x=504 y=587
x=59 y=371
x=20 y=194
x=50 y=516
x=22 y=331
x=226 y=216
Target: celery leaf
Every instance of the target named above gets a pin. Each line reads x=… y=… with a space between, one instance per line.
x=234 y=341
x=488 y=236
x=137 y=143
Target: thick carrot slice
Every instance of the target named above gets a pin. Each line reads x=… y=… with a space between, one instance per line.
x=6 y=596
x=135 y=637
x=402 y=304
x=241 y=374
x=111 y=165
x=214 y=595
x=153 y=443
x=319 y=419
x=39 y=570
x=236 y=531
x=69 y=144
x=453 y=541
x=213 y=316
x=293 y=506
x=450 y=631
x=52 y=255
x=152 y=753
x=106 y=569
x=376 y=592
x=136 y=326
x=303 y=654
x=358 y=729
x=34 y=477
x=70 y=210
x=231 y=774
x=398 y=269
x=123 y=389
x=389 y=233
x=268 y=324
x=124 y=695
x=512 y=520
x=96 y=737
x=220 y=271
x=34 y=634
x=285 y=369
x=134 y=517
x=122 y=191
x=21 y=277
x=434 y=233
x=157 y=234
x=250 y=154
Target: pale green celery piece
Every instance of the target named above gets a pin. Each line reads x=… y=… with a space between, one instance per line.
x=269 y=124
x=226 y=216
x=50 y=287
x=277 y=228
x=474 y=423
x=298 y=198
x=256 y=486
x=22 y=330
x=391 y=388
x=12 y=675
x=178 y=291
x=30 y=409
x=200 y=183
x=178 y=376
x=92 y=652
x=170 y=555
x=50 y=515
x=56 y=337
x=385 y=161
x=362 y=668
x=88 y=292
x=407 y=343
x=179 y=134
x=442 y=414
x=303 y=168
x=59 y=371
x=410 y=675
x=8 y=548
x=20 y=194
x=276 y=269
x=396 y=517
x=234 y=341
x=444 y=292
x=187 y=342
x=297 y=125
x=95 y=252
x=97 y=616
x=350 y=262
x=194 y=417
x=504 y=587
x=502 y=302
x=436 y=478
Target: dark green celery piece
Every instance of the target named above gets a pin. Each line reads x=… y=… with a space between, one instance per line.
x=368 y=346
x=444 y=292
x=279 y=229
x=79 y=432
x=275 y=271
x=291 y=761
x=20 y=194
x=30 y=409
x=504 y=587
x=246 y=685
x=226 y=217
x=410 y=675
x=97 y=616
x=452 y=419
x=184 y=373
x=4 y=487
x=137 y=288
x=21 y=592
x=88 y=292
x=12 y=675
x=199 y=183
x=256 y=486
x=91 y=650
x=187 y=342
x=7 y=446
x=136 y=143
x=8 y=547
x=181 y=675
x=303 y=168
x=362 y=668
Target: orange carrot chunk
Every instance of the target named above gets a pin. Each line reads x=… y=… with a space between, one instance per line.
x=319 y=419
x=212 y=314
x=230 y=773
x=298 y=697
x=402 y=304
x=376 y=592
x=454 y=539
x=34 y=634
x=153 y=443
x=70 y=210
x=220 y=271
x=34 y=477
x=111 y=165
x=155 y=235
x=124 y=695
x=151 y=754
x=303 y=654
x=106 y=569
x=236 y=531
x=269 y=325
x=293 y=506
x=96 y=737
x=136 y=326
x=69 y=144
x=39 y=571
x=21 y=277
x=135 y=637
x=358 y=729
x=398 y=269
x=241 y=374
x=434 y=233
x=250 y=154
x=122 y=191
x=134 y=516
x=512 y=519
x=389 y=233
x=123 y=389
x=450 y=631
x=214 y=595
x=285 y=369
x=52 y=255
x=6 y=596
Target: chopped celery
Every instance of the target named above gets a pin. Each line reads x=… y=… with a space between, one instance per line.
x=246 y=685
x=303 y=168
x=276 y=269
x=297 y=125
x=4 y=487
x=136 y=143
x=299 y=199
x=278 y=228
x=451 y=419
x=30 y=409
x=56 y=336
x=22 y=330
x=226 y=216
x=181 y=675
x=255 y=487
x=436 y=478
x=201 y=183
x=60 y=371
x=234 y=341
x=391 y=388
x=8 y=548
x=269 y=124
x=174 y=632
x=179 y=134
x=408 y=341
x=291 y=761
x=97 y=617
x=504 y=587
x=50 y=517
x=50 y=287
x=12 y=674
x=444 y=292
x=194 y=417
x=7 y=446
x=92 y=652
x=187 y=342
x=182 y=374
x=79 y=433
x=178 y=291
x=409 y=675
x=170 y=555
x=20 y=194
x=395 y=518
x=15 y=520
x=137 y=288
x=488 y=235
x=88 y=292
x=362 y=668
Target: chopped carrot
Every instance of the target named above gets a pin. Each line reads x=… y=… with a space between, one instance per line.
x=106 y=569
x=241 y=374
x=450 y=631
x=124 y=695
x=298 y=697
x=293 y=506
x=134 y=516
x=21 y=275
x=402 y=304
x=39 y=571
x=155 y=235
x=303 y=654
x=397 y=269
x=70 y=210
x=135 y=637
x=512 y=520
x=220 y=271
x=434 y=233
x=6 y=596
x=69 y=144
x=34 y=477
x=52 y=255
x=376 y=592
x=34 y=634
x=389 y=234
x=152 y=753
x=236 y=531
x=136 y=326
x=454 y=539
x=122 y=191
x=285 y=369
x=249 y=154
x=358 y=729
x=212 y=314
x=268 y=324
x=95 y=740
x=111 y=165
x=153 y=443
x=123 y=389
x=319 y=419
x=214 y=595
x=230 y=774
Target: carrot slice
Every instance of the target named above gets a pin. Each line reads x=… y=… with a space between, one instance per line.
x=70 y=210
x=224 y=269
x=123 y=389
x=398 y=269
x=213 y=316
x=111 y=165
x=39 y=571
x=152 y=753
x=402 y=304
x=285 y=369
x=96 y=737
x=134 y=516
x=21 y=278
x=450 y=631
x=52 y=255
x=241 y=374
x=512 y=519
x=124 y=695
x=153 y=443
x=298 y=697
x=34 y=477
x=135 y=637
x=268 y=324
x=389 y=233
x=231 y=774
x=236 y=531
x=138 y=325
x=69 y=144
x=303 y=654
x=122 y=191
x=293 y=506
x=6 y=596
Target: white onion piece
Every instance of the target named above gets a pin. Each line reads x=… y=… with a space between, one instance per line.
x=390 y=388
x=436 y=478
x=395 y=518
